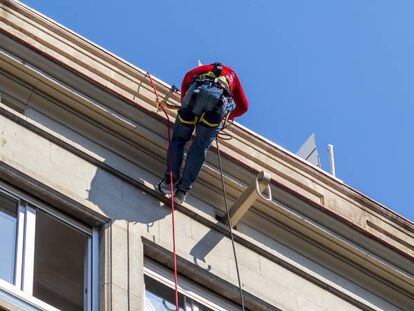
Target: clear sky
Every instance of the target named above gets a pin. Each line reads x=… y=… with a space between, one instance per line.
x=341 y=69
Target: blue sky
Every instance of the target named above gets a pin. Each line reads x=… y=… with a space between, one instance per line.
x=341 y=69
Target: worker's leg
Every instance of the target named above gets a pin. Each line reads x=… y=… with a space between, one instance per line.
x=181 y=135
x=216 y=107
x=197 y=155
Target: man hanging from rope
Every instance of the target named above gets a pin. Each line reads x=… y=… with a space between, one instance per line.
x=209 y=95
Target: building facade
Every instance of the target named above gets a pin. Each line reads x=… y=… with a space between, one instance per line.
x=83 y=228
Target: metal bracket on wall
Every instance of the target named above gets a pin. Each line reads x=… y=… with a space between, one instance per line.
x=248 y=197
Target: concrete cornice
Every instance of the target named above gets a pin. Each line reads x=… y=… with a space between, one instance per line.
x=247 y=150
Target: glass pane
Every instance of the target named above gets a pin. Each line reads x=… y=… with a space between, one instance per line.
x=159 y=297
x=199 y=307
x=192 y=305
x=8 y=238
x=59 y=265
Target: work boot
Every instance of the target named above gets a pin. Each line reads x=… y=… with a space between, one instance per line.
x=164 y=185
x=180 y=196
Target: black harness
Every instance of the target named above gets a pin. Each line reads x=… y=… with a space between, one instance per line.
x=212 y=117
x=215 y=80
x=219 y=69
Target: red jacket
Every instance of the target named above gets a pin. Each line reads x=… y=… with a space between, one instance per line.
x=234 y=83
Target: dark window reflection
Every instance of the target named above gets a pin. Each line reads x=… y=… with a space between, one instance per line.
x=59 y=270
x=159 y=297
x=8 y=238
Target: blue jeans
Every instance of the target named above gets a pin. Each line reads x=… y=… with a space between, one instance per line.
x=195 y=156
x=203 y=139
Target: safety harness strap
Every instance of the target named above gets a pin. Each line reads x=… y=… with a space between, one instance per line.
x=211 y=118
x=204 y=121
x=216 y=77
x=187 y=122
x=219 y=69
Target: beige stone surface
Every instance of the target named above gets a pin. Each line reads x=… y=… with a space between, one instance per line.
x=94 y=146
x=124 y=204
x=119 y=298
x=119 y=258
x=136 y=265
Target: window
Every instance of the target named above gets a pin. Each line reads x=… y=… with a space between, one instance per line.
x=160 y=295
x=59 y=263
x=8 y=237
x=46 y=256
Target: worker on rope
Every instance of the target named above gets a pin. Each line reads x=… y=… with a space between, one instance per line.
x=209 y=95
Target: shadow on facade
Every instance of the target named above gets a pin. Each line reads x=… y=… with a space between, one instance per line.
x=119 y=200
x=122 y=201
x=207 y=243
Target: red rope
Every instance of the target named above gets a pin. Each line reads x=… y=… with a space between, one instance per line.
x=172 y=192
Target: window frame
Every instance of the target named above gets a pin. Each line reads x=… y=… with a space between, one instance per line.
x=22 y=286
x=187 y=288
